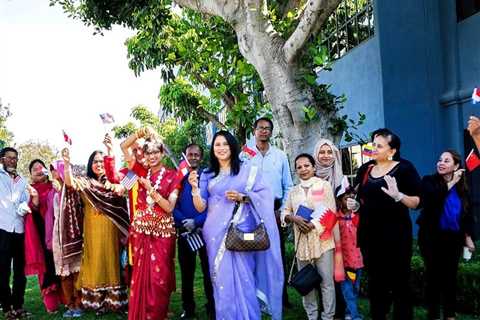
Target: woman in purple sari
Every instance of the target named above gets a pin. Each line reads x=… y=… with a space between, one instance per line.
x=245 y=284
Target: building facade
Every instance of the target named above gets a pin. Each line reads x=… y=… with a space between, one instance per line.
x=414 y=74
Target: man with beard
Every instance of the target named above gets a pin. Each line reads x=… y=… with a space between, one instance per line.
x=275 y=170
x=14 y=197
x=189 y=221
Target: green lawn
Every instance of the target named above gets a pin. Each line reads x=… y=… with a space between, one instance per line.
x=34 y=304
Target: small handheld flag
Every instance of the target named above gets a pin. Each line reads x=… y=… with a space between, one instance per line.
x=343 y=187
x=66 y=138
x=368 y=150
x=182 y=169
x=247 y=153
x=129 y=180
x=476 y=95
x=472 y=161
x=194 y=240
x=327 y=219
x=107 y=118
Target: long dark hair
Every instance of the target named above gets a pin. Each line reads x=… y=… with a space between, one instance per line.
x=462 y=187
x=234 y=151
x=90 y=172
x=393 y=140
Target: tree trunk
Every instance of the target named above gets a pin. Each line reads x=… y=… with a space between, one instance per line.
x=283 y=89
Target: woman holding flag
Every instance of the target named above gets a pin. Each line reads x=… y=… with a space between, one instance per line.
x=105 y=227
x=446 y=226
x=153 y=232
x=313 y=234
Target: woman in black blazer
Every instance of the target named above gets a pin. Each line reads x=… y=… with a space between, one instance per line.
x=446 y=226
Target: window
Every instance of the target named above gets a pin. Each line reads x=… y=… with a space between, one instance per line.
x=352 y=159
x=467 y=8
x=351 y=24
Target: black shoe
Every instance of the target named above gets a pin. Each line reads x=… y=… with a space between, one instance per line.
x=187 y=315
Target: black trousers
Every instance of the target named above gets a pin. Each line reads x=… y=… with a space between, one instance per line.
x=187 y=260
x=441 y=255
x=12 y=248
x=388 y=268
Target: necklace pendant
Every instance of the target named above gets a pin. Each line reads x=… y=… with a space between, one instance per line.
x=150 y=201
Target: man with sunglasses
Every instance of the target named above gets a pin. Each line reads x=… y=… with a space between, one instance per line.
x=15 y=194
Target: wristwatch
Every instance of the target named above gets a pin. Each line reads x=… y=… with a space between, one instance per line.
x=244 y=198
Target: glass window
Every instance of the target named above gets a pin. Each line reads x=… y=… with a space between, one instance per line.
x=352 y=159
x=351 y=24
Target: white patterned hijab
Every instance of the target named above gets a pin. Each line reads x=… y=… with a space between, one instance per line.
x=333 y=172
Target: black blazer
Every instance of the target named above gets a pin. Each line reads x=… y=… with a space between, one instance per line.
x=433 y=195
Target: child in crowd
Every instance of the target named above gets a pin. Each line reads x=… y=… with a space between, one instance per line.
x=352 y=257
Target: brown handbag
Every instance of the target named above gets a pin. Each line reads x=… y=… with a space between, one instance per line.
x=237 y=240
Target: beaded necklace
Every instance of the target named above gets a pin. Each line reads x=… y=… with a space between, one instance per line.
x=150 y=200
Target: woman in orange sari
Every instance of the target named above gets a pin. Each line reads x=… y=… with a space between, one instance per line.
x=153 y=235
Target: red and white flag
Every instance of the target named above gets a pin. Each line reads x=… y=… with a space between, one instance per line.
x=472 y=161
x=476 y=95
x=66 y=138
x=183 y=167
x=327 y=218
x=248 y=153
x=107 y=118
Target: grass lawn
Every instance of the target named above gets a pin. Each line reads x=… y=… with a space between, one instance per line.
x=34 y=304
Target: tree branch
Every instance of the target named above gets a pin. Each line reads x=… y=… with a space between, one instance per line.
x=223 y=8
x=314 y=16
x=226 y=97
x=210 y=117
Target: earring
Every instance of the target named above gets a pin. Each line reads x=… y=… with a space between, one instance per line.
x=390 y=158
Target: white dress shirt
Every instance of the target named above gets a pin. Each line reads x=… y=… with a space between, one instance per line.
x=14 y=198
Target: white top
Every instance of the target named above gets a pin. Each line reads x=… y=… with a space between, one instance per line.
x=14 y=198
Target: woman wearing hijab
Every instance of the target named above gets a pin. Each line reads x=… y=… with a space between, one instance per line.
x=328 y=166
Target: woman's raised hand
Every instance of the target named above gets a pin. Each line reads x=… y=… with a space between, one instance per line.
x=107 y=141
x=66 y=156
x=392 y=188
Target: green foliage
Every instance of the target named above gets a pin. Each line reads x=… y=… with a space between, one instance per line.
x=200 y=62
x=31 y=150
x=202 y=68
x=5 y=135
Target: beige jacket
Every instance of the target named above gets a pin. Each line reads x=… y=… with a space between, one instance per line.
x=310 y=193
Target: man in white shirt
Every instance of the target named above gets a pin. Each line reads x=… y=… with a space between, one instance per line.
x=273 y=164
x=14 y=199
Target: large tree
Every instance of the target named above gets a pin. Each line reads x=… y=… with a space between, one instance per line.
x=32 y=150
x=276 y=37
x=5 y=135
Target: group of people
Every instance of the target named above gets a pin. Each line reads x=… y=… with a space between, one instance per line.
x=107 y=241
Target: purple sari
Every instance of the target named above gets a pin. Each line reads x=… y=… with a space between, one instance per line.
x=245 y=284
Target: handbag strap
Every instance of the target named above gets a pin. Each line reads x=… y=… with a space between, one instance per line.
x=294 y=258
x=252 y=174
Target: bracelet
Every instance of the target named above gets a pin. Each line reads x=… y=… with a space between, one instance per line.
x=196 y=193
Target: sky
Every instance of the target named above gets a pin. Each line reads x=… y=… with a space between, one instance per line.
x=56 y=75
